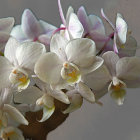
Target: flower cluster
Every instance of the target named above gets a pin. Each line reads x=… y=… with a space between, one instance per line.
x=78 y=60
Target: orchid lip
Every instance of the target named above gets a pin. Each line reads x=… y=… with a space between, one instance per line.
x=70 y=72
x=19 y=77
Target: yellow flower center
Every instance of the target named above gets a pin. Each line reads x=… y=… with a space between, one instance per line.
x=19 y=77
x=70 y=73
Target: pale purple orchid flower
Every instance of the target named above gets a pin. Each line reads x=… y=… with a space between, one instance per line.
x=93 y=27
x=71 y=26
x=115 y=76
x=6 y=25
x=32 y=29
x=120 y=30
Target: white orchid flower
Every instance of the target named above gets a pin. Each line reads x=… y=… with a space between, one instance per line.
x=71 y=25
x=67 y=63
x=120 y=30
x=116 y=75
x=8 y=111
x=11 y=133
x=6 y=25
x=43 y=97
x=33 y=29
x=18 y=63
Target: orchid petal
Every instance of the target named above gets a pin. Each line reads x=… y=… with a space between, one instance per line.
x=70 y=10
x=81 y=52
x=46 y=100
x=121 y=27
x=57 y=45
x=28 y=53
x=30 y=25
x=28 y=96
x=82 y=15
x=5 y=70
x=111 y=59
x=128 y=69
x=48 y=28
x=45 y=39
x=85 y=92
x=48 y=68
x=6 y=24
x=75 y=101
x=115 y=44
x=47 y=112
x=3 y=40
x=61 y=96
x=129 y=48
x=15 y=114
x=18 y=33
x=97 y=64
x=10 y=50
x=94 y=79
x=74 y=26
x=96 y=24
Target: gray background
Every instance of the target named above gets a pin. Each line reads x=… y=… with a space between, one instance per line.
x=91 y=122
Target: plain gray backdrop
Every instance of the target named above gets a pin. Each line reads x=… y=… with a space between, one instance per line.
x=91 y=122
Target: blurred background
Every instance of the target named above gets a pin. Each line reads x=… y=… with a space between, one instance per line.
x=91 y=122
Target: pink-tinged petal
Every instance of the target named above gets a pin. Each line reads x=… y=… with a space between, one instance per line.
x=115 y=48
x=58 y=46
x=30 y=25
x=5 y=70
x=121 y=27
x=18 y=33
x=82 y=15
x=129 y=48
x=98 y=37
x=15 y=114
x=85 y=92
x=6 y=24
x=48 y=68
x=76 y=101
x=61 y=13
x=10 y=50
x=28 y=53
x=3 y=40
x=47 y=28
x=45 y=39
x=81 y=52
x=110 y=60
x=74 y=26
x=107 y=19
x=128 y=69
x=96 y=24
